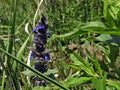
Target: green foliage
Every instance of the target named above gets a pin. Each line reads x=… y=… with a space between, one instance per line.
x=114 y=84
x=84 y=42
x=99 y=84
x=35 y=71
x=73 y=81
x=81 y=64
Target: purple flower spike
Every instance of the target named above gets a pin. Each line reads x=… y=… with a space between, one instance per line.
x=44 y=20
x=38 y=27
x=32 y=55
x=43 y=82
x=47 y=56
x=40 y=67
x=48 y=34
x=38 y=49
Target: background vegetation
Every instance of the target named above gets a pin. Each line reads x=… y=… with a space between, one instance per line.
x=84 y=44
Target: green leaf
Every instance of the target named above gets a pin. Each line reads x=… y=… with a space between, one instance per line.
x=75 y=32
x=104 y=30
x=105 y=9
x=115 y=84
x=73 y=81
x=75 y=66
x=53 y=71
x=85 y=69
x=114 y=51
x=77 y=57
x=99 y=84
x=95 y=27
x=80 y=30
x=19 y=54
x=81 y=63
x=95 y=24
x=95 y=62
x=113 y=12
x=60 y=50
x=104 y=66
x=75 y=60
x=28 y=73
x=104 y=37
x=110 y=39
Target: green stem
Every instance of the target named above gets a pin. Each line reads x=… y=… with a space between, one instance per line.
x=3 y=81
x=5 y=72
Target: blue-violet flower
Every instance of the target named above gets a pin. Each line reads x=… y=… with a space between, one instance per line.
x=38 y=48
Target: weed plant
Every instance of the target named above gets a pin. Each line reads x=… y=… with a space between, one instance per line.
x=84 y=44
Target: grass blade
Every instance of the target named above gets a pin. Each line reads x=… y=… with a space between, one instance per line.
x=11 y=39
x=19 y=54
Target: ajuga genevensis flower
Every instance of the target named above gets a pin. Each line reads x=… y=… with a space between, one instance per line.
x=38 y=49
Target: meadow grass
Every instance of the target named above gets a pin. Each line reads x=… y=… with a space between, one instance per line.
x=84 y=44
